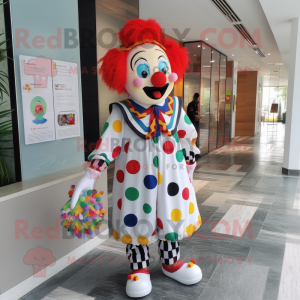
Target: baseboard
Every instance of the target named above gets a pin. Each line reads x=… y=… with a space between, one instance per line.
x=32 y=282
x=290 y=172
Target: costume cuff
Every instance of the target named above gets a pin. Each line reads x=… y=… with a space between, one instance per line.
x=101 y=156
x=189 y=157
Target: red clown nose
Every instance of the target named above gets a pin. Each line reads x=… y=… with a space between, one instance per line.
x=158 y=79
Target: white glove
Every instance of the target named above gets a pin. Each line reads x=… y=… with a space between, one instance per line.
x=85 y=183
x=191 y=169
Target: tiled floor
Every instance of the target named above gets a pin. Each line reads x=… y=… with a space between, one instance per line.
x=248 y=246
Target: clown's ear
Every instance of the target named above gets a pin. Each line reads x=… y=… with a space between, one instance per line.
x=113 y=69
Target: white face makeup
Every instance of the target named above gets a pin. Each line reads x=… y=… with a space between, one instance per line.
x=143 y=61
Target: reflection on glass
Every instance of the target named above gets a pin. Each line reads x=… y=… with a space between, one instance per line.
x=192 y=79
x=205 y=98
x=214 y=103
x=207 y=76
x=229 y=100
x=221 y=119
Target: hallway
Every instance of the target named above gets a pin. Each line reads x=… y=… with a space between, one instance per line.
x=242 y=257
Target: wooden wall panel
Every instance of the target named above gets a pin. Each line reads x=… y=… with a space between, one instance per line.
x=178 y=87
x=246 y=103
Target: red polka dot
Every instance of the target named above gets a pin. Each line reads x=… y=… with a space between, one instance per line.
x=160 y=223
x=181 y=134
x=185 y=194
x=120 y=176
x=153 y=233
x=168 y=147
x=126 y=147
x=98 y=143
x=116 y=152
x=133 y=167
x=120 y=203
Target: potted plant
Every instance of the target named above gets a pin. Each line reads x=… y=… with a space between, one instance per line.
x=5 y=122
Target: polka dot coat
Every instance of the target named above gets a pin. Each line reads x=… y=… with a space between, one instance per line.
x=153 y=197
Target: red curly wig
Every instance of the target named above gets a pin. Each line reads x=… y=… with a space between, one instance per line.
x=136 y=32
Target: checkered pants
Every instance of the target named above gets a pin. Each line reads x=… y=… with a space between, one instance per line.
x=139 y=256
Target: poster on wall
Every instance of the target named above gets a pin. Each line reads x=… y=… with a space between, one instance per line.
x=37 y=99
x=66 y=99
x=50 y=99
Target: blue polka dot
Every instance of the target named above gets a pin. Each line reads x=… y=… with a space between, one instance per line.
x=130 y=220
x=150 y=182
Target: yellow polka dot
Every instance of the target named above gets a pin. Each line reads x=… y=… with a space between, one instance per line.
x=199 y=220
x=190 y=229
x=115 y=234
x=117 y=126
x=143 y=240
x=191 y=208
x=159 y=178
x=126 y=239
x=176 y=215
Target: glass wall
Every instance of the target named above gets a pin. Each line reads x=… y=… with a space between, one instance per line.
x=207 y=76
x=222 y=98
x=272 y=95
x=214 y=100
x=205 y=98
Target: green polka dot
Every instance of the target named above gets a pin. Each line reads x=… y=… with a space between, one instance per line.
x=155 y=161
x=89 y=192
x=176 y=137
x=172 y=236
x=155 y=139
x=187 y=120
x=147 y=208
x=179 y=156
x=105 y=127
x=132 y=194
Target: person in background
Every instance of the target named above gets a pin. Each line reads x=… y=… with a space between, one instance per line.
x=192 y=112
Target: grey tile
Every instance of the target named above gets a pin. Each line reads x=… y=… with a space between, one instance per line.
x=272 y=285
x=236 y=281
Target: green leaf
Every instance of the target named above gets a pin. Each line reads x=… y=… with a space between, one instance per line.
x=5 y=113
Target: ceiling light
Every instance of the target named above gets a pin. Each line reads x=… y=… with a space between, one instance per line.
x=206 y=39
x=212 y=61
x=269 y=53
x=204 y=48
x=183 y=39
x=199 y=46
x=232 y=54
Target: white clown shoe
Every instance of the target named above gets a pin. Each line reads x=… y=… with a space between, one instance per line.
x=138 y=284
x=184 y=273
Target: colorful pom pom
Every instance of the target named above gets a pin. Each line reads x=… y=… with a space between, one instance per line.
x=87 y=215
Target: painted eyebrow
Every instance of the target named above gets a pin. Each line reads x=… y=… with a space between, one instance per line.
x=133 y=58
x=140 y=59
x=163 y=55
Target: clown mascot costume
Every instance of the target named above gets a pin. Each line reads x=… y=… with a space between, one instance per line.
x=152 y=141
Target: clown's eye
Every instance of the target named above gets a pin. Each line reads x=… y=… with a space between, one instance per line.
x=143 y=70
x=163 y=67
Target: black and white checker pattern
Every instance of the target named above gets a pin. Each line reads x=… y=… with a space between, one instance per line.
x=190 y=157
x=138 y=256
x=169 y=252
